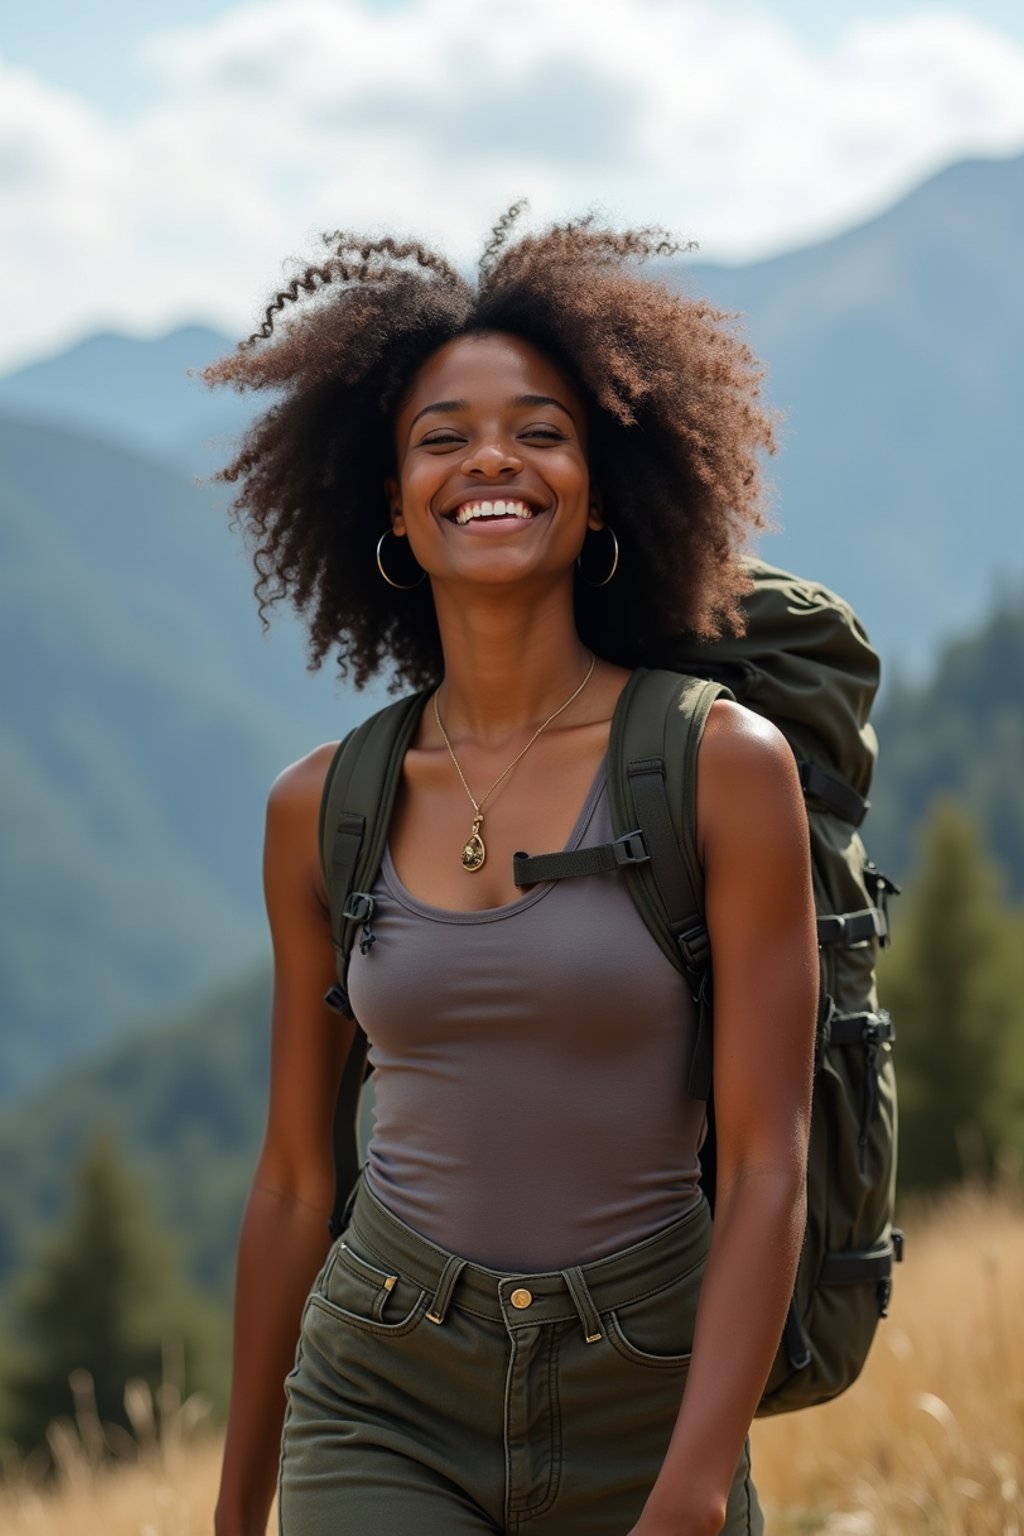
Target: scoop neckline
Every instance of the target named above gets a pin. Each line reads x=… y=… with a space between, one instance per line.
x=400 y=892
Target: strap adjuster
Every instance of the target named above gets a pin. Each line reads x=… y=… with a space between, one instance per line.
x=358 y=908
x=336 y=999
x=631 y=848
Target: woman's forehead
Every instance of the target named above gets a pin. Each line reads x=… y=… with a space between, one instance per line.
x=486 y=365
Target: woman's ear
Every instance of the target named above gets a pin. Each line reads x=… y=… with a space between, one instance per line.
x=595 y=517
x=394 y=496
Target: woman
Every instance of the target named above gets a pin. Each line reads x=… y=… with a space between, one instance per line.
x=513 y=493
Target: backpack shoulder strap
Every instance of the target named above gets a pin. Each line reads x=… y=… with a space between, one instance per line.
x=652 y=791
x=355 y=813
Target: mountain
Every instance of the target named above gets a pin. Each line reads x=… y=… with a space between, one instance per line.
x=895 y=351
x=134 y=392
x=144 y=719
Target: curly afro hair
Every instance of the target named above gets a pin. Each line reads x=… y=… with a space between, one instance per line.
x=675 y=427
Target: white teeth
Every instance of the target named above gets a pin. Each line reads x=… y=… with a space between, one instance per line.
x=471 y=510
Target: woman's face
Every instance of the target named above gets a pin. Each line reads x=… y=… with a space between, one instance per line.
x=492 y=484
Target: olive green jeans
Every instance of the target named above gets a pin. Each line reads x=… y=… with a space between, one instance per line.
x=431 y=1397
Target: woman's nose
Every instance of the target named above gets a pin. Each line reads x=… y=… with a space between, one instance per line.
x=492 y=459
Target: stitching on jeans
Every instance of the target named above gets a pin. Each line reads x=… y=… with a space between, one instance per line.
x=366 y=1325
x=507 y=1500
x=635 y=1356
x=551 y=1490
x=287 y=1417
x=555 y=1473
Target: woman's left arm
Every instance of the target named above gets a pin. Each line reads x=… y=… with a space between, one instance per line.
x=753 y=839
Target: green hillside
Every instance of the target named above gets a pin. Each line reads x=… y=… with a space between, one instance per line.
x=143 y=720
x=186 y=1100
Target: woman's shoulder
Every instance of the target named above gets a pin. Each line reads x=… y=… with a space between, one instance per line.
x=298 y=788
x=738 y=740
x=746 y=774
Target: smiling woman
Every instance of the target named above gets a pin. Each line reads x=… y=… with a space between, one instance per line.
x=512 y=494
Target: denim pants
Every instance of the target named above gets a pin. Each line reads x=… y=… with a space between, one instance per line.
x=433 y=1397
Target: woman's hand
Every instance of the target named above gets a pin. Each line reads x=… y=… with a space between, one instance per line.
x=680 y=1522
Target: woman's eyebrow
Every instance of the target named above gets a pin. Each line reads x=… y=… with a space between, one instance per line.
x=463 y=405
x=543 y=400
x=440 y=405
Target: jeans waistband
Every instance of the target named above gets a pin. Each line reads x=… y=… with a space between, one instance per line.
x=520 y=1298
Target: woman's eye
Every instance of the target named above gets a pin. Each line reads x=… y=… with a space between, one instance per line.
x=440 y=438
x=552 y=434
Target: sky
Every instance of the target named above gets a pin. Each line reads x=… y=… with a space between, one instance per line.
x=164 y=163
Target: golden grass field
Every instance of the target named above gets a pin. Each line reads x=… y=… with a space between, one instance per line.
x=930 y=1441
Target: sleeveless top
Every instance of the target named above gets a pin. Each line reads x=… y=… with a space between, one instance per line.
x=530 y=1069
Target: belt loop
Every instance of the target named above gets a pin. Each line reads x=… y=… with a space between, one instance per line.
x=584 y=1304
x=445 y=1285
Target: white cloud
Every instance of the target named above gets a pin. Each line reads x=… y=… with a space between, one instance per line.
x=277 y=120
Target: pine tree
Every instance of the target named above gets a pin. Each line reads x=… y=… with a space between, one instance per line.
x=952 y=983
x=103 y=1299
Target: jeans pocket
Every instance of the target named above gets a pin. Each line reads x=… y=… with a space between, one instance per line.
x=656 y=1329
x=354 y=1289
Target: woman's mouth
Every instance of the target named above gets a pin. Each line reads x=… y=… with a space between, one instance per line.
x=475 y=511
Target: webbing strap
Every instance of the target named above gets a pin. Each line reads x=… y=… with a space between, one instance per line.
x=857 y=1268
x=602 y=859
x=848 y=928
x=834 y=793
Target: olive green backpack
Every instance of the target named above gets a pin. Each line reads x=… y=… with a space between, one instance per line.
x=805 y=663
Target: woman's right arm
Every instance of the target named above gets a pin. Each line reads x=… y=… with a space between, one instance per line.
x=284 y=1236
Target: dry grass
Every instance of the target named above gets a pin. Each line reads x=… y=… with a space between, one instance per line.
x=930 y=1442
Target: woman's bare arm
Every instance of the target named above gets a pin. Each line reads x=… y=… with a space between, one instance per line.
x=284 y=1235
x=752 y=827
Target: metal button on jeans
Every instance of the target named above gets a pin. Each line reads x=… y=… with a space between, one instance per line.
x=521 y=1298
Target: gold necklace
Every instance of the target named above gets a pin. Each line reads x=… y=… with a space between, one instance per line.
x=474 y=852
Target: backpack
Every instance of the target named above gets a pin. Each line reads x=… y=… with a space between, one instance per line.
x=805 y=663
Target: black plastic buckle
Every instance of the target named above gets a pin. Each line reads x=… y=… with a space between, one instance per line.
x=336 y=999
x=695 y=948
x=898 y=1244
x=358 y=908
x=881 y=888
x=630 y=848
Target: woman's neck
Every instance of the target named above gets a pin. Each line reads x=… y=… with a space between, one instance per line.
x=507 y=666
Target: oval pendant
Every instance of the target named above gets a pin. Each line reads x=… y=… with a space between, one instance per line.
x=474 y=853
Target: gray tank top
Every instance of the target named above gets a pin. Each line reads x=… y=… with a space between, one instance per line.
x=530 y=1069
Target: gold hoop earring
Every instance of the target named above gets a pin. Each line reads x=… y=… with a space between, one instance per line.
x=400 y=586
x=605 y=528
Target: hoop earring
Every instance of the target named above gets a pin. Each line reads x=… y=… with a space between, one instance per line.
x=605 y=528
x=400 y=586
